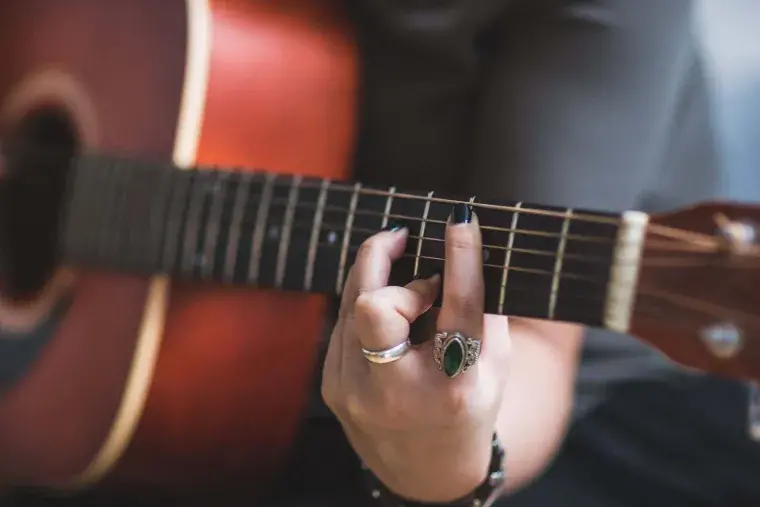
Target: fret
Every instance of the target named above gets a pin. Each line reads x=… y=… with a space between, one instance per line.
x=109 y=180
x=368 y=220
x=387 y=208
x=558 y=263
x=532 y=262
x=300 y=239
x=410 y=211
x=76 y=241
x=314 y=236
x=242 y=197
x=175 y=221
x=347 y=239
x=190 y=251
x=496 y=234
x=102 y=199
x=274 y=253
x=508 y=256
x=262 y=214
x=213 y=228
x=287 y=231
x=421 y=237
x=158 y=218
x=330 y=239
x=585 y=271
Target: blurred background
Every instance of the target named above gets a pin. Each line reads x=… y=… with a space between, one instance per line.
x=731 y=30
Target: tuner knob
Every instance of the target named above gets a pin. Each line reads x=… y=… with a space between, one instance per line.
x=724 y=340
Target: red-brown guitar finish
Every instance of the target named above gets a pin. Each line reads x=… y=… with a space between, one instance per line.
x=233 y=366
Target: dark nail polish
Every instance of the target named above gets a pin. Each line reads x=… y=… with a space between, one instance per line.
x=394 y=226
x=461 y=214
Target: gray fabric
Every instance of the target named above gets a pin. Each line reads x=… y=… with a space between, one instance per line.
x=586 y=103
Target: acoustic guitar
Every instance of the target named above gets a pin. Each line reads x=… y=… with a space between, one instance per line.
x=191 y=293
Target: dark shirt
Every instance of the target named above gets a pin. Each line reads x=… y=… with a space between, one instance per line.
x=582 y=103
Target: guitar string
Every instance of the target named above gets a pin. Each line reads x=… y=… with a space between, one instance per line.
x=703 y=307
x=354 y=246
x=668 y=231
x=682 y=247
x=579 y=216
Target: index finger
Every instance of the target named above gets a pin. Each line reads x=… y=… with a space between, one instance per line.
x=372 y=267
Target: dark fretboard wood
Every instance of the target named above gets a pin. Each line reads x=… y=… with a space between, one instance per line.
x=302 y=234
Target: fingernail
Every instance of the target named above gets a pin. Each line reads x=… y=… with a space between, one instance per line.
x=428 y=274
x=394 y=226
x=461 y=213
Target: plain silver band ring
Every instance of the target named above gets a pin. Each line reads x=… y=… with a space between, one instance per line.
x=388 y=355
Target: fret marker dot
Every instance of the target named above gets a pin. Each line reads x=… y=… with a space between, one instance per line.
x=332 y=237
x=273 y=232
x=486 y=254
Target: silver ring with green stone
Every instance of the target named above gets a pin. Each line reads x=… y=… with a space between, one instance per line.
x=455 y=353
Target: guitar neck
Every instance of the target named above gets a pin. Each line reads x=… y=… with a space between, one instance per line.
x=291 y=233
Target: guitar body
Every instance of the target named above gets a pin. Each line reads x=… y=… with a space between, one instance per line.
x=148 y=382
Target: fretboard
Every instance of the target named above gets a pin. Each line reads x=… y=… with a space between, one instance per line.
x=302 y=234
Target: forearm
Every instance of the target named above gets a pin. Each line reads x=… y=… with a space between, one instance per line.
x=539 y=396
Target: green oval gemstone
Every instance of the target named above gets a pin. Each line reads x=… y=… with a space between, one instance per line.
x=453 y=357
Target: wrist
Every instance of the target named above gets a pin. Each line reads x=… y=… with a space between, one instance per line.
x=439 y=470
x=467 y=486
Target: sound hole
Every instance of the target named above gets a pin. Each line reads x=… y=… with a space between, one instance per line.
x=36 y=154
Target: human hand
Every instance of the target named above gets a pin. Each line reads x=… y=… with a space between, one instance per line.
x=425 y=435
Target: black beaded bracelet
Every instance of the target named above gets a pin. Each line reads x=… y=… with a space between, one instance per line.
x=481 y=497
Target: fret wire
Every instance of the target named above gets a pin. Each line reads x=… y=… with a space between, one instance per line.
x=347 y=238
x=287 y=231
x=508 y=257
x=190 y=243
x=258 y=233
x=421 y=238
x=174 y=223
x=159 y=218
x=558 y=263
x=112 y=213
x=388 y=205
x=242 y=196
x=213 y=224
x=314 y=237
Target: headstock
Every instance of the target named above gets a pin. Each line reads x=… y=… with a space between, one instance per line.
x=698 y=298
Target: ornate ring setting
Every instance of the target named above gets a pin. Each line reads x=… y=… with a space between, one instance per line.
x=455 y=353
x=387 y=355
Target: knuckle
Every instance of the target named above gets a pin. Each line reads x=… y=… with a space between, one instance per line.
x=394 y=406
x=463 y=239
x=464 y=307
x=356 y=409
x=367 y=248
x=458 y=401
x=369 y=308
